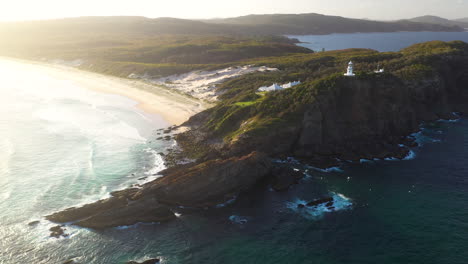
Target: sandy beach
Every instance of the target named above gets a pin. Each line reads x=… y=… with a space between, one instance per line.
x=172 y=106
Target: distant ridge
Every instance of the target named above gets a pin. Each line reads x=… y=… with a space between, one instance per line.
x=312 y=23
x=279 y=24
x=462 y=20
x=441 y=21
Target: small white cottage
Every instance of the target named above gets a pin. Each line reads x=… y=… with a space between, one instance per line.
x=277 y=87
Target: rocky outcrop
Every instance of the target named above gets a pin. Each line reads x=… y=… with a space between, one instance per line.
x=149 y=261
x=114 y=211
x=210 y=183
x=283 y=177
x=57 y=232
x=204 y=185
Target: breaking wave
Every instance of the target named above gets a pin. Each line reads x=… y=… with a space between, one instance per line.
x=340 y=203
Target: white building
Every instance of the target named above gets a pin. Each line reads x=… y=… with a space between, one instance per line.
x=379 y=70
x=290 y=85
x=277 y=87
x=274 y=87
x=350 y=69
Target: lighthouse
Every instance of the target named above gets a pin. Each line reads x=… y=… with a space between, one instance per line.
x=350 y=69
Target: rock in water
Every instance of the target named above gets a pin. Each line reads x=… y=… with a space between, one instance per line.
x=320 y=201
x=34 y=223
x=284 y=177
x=57 y=232
x=149 y=261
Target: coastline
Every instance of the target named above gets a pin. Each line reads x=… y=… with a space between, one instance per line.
x=173 y=107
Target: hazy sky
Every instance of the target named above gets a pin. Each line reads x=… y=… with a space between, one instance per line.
x=372 y=9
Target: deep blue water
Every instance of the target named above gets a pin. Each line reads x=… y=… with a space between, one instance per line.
x=377 y=41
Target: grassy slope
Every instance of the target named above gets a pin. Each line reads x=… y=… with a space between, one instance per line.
x=244 y=112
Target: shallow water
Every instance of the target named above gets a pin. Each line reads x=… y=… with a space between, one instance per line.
x=63 y=146
x=393 y=41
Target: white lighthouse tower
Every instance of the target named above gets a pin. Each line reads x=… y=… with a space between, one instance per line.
x=350 y=69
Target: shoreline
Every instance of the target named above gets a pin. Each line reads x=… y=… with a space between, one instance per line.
x=175 y=108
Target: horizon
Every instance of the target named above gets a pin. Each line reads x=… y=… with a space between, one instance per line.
x=219 y=17
x=384 y=10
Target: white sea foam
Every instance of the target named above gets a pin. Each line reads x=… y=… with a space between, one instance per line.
x=327 y=170
x=158 y=162
x=228 y=202
x=135 y=225
x=6 y=152
x=411 y=155
x=455 y=114
x=340 y=203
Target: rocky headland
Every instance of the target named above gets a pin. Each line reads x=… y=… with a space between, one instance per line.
x=328 y=119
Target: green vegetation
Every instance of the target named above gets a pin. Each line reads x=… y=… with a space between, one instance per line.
x=245 y=112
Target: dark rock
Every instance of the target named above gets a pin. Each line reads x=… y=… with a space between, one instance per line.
x=284 y=177
x=160 y=138
x=167 y=138
x=204 y=185
x=210 y=183
x=145 y=210
x=149 y=261
x=320 y=201
x=329 y=204
x=74 y=214
x=300 y=206
x=57 y=232
x=34 y=223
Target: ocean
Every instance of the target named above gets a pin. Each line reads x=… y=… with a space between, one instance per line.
x=62 y=145
x=383 y=42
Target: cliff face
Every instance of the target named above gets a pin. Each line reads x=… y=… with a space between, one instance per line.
x=364 y=118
